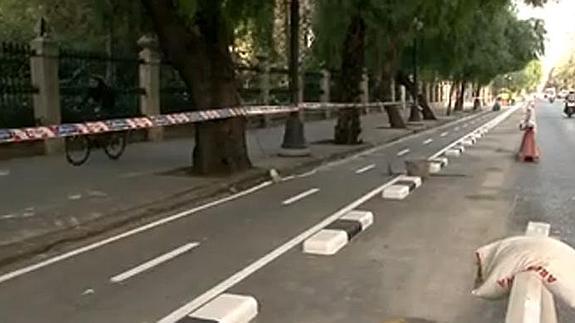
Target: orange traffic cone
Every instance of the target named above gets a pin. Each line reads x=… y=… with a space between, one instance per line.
x=528 y=152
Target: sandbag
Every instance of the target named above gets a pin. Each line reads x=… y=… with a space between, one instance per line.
x=551 y=259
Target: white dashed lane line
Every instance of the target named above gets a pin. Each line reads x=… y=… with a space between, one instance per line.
x=365 y=169
x=300 y=196
x=428 y=141
x=444 y=134
x=403 y=152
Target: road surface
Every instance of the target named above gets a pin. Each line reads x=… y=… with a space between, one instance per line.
x=416 y=261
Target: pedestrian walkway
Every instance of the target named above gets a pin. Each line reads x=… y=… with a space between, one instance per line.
x=46 y=195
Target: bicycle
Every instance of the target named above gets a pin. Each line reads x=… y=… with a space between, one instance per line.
x=79 y=147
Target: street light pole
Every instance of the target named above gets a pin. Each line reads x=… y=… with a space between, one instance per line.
x=294 y=143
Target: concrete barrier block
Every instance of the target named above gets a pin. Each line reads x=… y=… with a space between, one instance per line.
x=453 y=153
x=226 y=308
x=325 y=242
x=434 y=168
x=467 y=142
x=414 y=179
x=365 y=218
x=395 y=192
x=441 y=160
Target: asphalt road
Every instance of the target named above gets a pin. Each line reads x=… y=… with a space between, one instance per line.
x=145 y=275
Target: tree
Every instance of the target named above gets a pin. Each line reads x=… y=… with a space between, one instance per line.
x=196 y=37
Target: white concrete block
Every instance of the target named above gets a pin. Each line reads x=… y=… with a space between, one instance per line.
x=434 y=167
x=415 y=179
x=363 y=217
x=467 y=142
x=228 y=308
x=326 y=242
x=442 y=160
x=453 y=153
x=395 y=192
x=460 y=147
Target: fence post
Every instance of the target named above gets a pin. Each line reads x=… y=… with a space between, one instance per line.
x=325 y=85
x=264 y=69
x=150 y=82
x=44 y=72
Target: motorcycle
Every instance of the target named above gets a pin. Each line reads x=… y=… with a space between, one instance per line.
x=569 y=107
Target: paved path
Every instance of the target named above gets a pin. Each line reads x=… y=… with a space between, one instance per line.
x=147 y=273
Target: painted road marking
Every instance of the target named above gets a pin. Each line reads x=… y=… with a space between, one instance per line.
x=365 y=169
x=239 y=276
x=300 y=196
x=70 y=254
x=428 y=141
x=4 y=172
x=154 y=262
x=403 y=152
x=444 y=134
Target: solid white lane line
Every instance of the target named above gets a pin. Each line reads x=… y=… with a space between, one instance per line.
x=428 y=141
x=444 y=134
x=300 y=196
x=365 y=169
x=154 y=262
x=263 y=261
x=403 y=152
x=75 y=252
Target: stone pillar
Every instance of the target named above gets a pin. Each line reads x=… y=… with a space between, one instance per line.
x=44 y=72
x=264 y=69
x=364 y=88
x=325 y=86
x=150 y=82
x=403 y=97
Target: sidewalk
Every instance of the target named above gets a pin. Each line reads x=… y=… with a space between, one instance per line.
x=45 y=200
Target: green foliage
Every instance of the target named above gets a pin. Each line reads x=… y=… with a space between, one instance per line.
x=527 y=79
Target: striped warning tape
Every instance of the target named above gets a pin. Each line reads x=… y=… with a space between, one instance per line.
x=96 y=127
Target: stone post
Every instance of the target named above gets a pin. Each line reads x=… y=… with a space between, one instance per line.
x=325 y=85
x=44 y=72
x=364 y=88
x=150 y=82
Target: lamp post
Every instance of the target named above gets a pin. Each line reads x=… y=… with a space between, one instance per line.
x=415 y=116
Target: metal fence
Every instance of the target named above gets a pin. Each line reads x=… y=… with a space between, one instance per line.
x=16 y=89
x=95 y=85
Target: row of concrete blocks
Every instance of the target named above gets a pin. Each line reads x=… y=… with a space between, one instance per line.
x=232 y=308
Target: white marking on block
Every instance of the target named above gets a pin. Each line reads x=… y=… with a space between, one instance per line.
x=153 y=262
x=325 y=242
x=453 y=153
x=396 y=192
x=441 y=160
x=403 y=152
x=363 y=217
x=538 y=229
x=415 y=179
x=228 y=308
x=300 y=196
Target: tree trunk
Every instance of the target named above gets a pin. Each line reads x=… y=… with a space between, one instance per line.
x=200 y=53
x=476 y=99
x=384 y=92
x=348 y=127
x=461 y=97
x=450 y=100
x=426 y=110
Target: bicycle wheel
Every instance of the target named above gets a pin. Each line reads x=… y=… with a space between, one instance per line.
x=77 y=149
x=115 y=144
